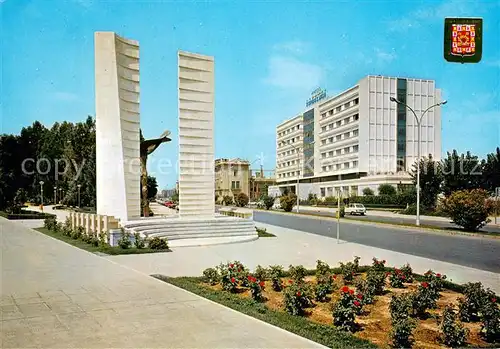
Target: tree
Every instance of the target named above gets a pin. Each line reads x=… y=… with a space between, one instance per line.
x=491 y=171
x=152 y=187
x=287 y=202
x=268 y=201
x=386 y=189
x=367 y=191
x=461 y=172
x=431 y=178
x=468 y=208
x=241 y=200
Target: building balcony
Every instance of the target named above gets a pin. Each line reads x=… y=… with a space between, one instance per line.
x=340 y=115
x=336 y=144
x=336 y=130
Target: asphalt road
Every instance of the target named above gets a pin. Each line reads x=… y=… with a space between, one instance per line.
x=406 y=220
x=475 y=252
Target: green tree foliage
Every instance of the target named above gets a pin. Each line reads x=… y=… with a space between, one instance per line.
x=468 y=208
x=461 y=172
x=152 y=187
x=491 y=171
x=241 y=200
x=70 y=145
x=368 y=192
x=386 y=189
x=431 y=178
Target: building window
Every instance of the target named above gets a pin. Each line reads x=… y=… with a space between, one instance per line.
x=356 y=101
x=356 y=117
x=338 y=109
x=330 y=153
x=355 y=148
x=323 y=129
x=354 y=164
x=347 y=105
x=322 y=192
x=346 y=165
x=338 y=166
x=323 y=142
x=355 y=133
x=324 y=168
x=338 y=137
x=330 y=112
x=235 y=185
x=337 y=152
x=235 y=173
x=330 y=139
x=323 y=155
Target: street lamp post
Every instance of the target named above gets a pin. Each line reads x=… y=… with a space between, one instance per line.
x=60 y=193
x=419 y=121
x=41 y=193
x=79 y=186
x=55 y=195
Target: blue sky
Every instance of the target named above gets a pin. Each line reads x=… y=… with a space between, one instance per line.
x=269 y=57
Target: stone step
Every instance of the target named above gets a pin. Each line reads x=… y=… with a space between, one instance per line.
x=173 y=225
x=206 y=235
x=192 y=228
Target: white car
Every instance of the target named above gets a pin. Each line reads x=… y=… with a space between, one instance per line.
x=355 y=209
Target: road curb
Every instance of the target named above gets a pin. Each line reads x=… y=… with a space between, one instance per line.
x=397 y=226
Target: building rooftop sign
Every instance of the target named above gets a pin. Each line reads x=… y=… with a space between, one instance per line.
x=316 y=96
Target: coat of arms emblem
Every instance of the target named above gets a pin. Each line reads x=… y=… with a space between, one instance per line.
x=463 y=39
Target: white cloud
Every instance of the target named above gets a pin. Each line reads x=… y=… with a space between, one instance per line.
x=294 y=47
x=291 y=73
x=65 y=96
x=384 y=56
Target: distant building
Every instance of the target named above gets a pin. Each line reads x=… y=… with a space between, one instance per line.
x=232 y=176
x=357 y=139
x=260 y=181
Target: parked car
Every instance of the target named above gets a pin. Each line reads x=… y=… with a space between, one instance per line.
x=355 y=209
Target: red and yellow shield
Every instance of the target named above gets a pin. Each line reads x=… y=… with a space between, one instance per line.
x=463 y=39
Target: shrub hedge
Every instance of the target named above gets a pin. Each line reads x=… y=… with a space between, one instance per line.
x=26 y=215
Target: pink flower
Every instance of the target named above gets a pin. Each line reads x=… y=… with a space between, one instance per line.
x=231 y=265
x=233 y=280
x=299 y=294
x=438 y=275
x=351 y=291
x=493 y=300
x=359 y=296
x=425 y=284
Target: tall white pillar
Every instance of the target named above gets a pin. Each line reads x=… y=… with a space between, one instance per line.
x=117 y=126
x=196 y=136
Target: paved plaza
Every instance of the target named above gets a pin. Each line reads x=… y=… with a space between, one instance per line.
x=54 y=295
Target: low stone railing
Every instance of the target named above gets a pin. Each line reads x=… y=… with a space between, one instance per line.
x=94 y=223
x=235 y=212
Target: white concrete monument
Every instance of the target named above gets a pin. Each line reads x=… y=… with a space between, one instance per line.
x=196 y=136
x=117 y=126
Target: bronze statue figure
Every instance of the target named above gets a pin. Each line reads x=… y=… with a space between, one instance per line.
x=147 y=147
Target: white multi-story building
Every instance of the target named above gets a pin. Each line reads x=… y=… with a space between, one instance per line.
x=358 y=138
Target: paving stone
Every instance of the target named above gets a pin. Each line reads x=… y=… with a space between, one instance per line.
x=46 y=324
x=64 y=307
x=35 y=309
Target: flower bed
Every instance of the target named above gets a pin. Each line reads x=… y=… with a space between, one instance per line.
x=418 y=311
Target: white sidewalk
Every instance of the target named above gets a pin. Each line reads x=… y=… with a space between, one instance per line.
x=292 y=247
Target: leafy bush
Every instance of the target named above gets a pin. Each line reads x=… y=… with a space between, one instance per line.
x=78 y=233
x=469 y=307
x=157 y=243
x=261 y=273
x=275 y=274
x=386 y=189
x=349 y=269
x=378 y=265
x=375 y=282
x=241 y=200
x=436 y=282
x=103 y=238
x=49 y=223
x=424 y=298
x=228 y=276
x=287 y=202
x=297 y=273
x=322 y=269
x=296 y=299
x=93 y=239
x=227 y=200
x=124 y=240
x=368 y=191
x=345 y=309
x=453 y=333
x=402 y=331
x=397 y=278
x=490 y=317
x=268 y=201
x=322 y=290
x=211 y=276
x=400 y=306
x=138 y=241
x=468 y=208
x=256 y=287
x=407 y=272
x=402 y=325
